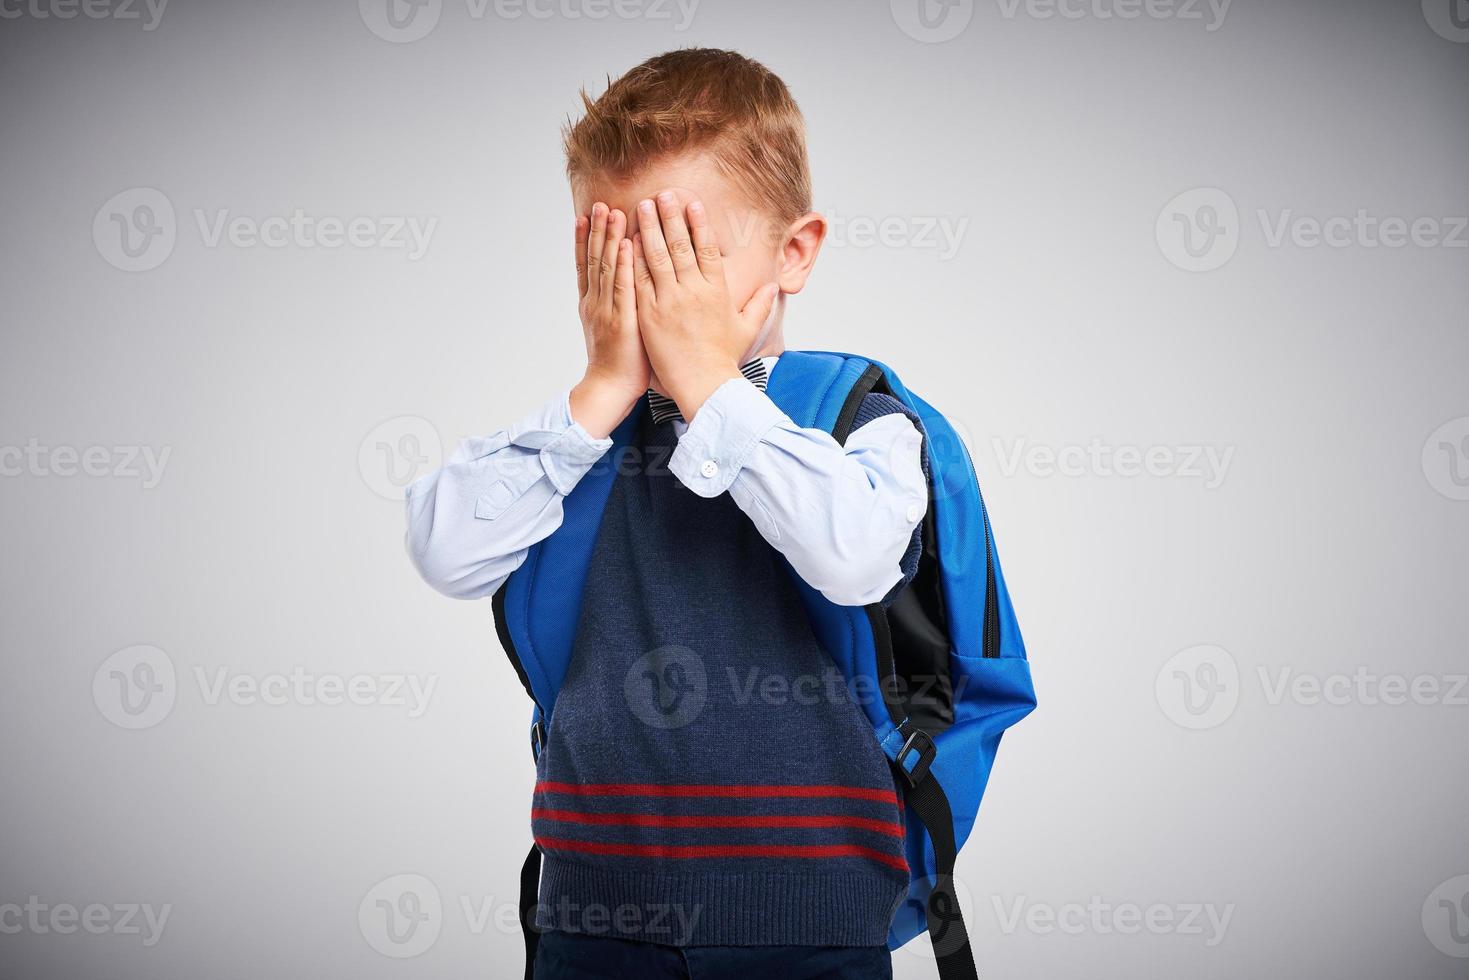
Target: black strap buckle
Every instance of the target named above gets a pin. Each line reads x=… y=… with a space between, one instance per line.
x=537 y=740
x=916 y=756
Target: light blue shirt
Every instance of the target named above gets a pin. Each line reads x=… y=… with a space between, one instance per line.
x=842 y=515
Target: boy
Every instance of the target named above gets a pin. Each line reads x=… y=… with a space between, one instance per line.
x=669 y=784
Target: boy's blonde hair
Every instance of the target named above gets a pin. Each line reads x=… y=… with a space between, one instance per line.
x=699 y=99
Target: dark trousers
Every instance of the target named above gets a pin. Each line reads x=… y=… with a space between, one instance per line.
x=571 y=956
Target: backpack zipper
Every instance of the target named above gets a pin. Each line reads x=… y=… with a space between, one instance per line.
x=990 y=645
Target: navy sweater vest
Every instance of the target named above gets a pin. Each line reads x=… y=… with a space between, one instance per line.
x=707 y=778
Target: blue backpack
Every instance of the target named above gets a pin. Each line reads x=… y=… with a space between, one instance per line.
x=946 y=653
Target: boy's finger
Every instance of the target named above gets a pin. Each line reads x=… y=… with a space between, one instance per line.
x=655 y=249
x=706 y=242
x=624 y=301
x=594 y=246
x=676 y=235
x=582 y=225
x=616 y=226
x=642 y=278
x=757 y=310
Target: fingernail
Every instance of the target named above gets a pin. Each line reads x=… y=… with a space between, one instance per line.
x=646 y=205
x=696 y=207
x=665 y=197
x=598 y=208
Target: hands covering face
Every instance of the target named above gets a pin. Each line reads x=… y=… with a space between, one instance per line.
x=659 y=301
x=609 y=318
x=692 y=329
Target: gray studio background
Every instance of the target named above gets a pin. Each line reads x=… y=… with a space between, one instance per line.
x=1191 y=279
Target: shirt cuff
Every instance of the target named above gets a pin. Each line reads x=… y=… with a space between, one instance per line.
x=724 y=432
x=570 y=453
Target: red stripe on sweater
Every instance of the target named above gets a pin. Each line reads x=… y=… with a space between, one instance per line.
x=762 y=792
x=892 y=829
x=724 y=850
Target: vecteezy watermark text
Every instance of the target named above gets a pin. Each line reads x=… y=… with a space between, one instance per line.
x=299 y=687
x=1201 y=229
x=936 y=21
x=137 y=687
x=1209 y=12
x=150 y=12
x=142 y=463
x=938 y=233
x=405 y=21
x=136 y=230
x=1096 y=917
x=41 y=918
x=668 y=687
x=1208 y=464
x=1200 y=687
x=403 y=916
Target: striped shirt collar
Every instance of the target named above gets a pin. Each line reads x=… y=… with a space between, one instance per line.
x=664 y=409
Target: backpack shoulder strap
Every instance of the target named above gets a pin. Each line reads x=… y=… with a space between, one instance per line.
x=813 y=387
x=536 y=612
x=537 y=608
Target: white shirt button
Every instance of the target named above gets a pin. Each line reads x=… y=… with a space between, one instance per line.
x=709 y=469
x=914 y=513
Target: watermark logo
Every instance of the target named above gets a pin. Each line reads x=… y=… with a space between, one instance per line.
x=403 y=21
x=1203 y=920
x=667 y=687
x=304 y=231
x=1198 y=230
x=397 y=452
x=1446 y=459
x=1448 y=18
x=1207 y=464
x=650 y=10
x=1362 y=687
x=656 y=922
x=412 y=692
x=400 y=21
x=1198 y=688
x=135 y=687
x=948 y=441
x=941 y=234
x=138 y=687
x=1362 y=229
x=41 y=918
x=932 y=21
x=135 y=230
x=401 y=916
x=1209 y=12
x=1446 y=917
x=150 y=12
x=142 y=463
x=950 y=907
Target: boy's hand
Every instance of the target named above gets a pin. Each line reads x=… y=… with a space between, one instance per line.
x=617 y=367
x=694 y=334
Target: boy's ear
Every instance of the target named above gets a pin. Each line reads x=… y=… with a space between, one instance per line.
x=803 y=238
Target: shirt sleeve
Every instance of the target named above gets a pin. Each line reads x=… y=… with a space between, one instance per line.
x=471 y=522
x=843 y=516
